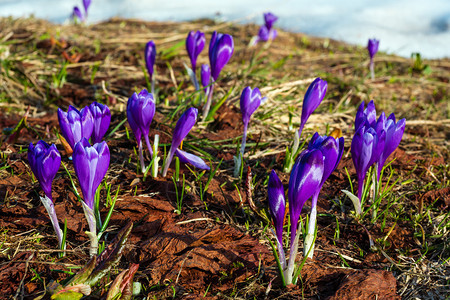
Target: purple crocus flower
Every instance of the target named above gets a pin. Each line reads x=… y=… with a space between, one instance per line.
x=77 y=14
x=372 y=47
x=102 y=118
x=394 y=133
x=221 y=49
x=140 y=111
x=44 y=161
x=75 y=124
x=195 y=42
x=305 y=179
x=332 y=150
x=263 y=34
x=269 y=19
x=366 y=117
x=277 y=204
x=188 y=158
x=91 y=164
x=150 y=57
x=182 y=128
x=86 y=4
x=313 y=97
x=364 y=153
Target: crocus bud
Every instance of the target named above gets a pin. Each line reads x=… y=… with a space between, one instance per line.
x=77 y=13
x=91 y=164
x=150 y=57
x=366 y=117
x=75 y=124
x=140 y=112
x=306 y=177
x=394 y=133
x=313 y=97
x=372 y=47
x=44 y=161
x=221 y=49
x=195 y=42
x=182 y=128
x=250 y=101
x=205 y=75
x=269 y=19
x=102 y=118
x=277 y=204
x=188 y=158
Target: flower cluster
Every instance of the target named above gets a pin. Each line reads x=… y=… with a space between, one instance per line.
x=311 y=170
x=266 y=32
x=373 y=142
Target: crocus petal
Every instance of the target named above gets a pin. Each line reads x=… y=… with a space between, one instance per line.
x=195 y=42
x=272 y=34
x=372 y=47
x=150 y=57
x=221 y=49
x=313 y=97
x=277 y=204
x=394 y=134
x=44 y=161
x=75 y=124
x=184 y=125
x=250 y=101
x=188 y=158
x=269 y=19
x=90 y=164
x=366 y=117
x=86 y=4
x=305 y=179
x=101 y=118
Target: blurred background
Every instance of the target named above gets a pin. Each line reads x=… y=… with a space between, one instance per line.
x=402 y=26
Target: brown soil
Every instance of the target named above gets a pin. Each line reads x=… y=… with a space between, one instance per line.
x=217 y=247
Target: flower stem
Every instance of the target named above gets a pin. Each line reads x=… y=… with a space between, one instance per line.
x=289 y=271
x=149 y=146
x=168 y=161
x=155 y=156
x=238 y=161
x=208 y=103
x=92 y=233
x=308 y=248
x=141 y=157
x=48 y=204
x=372 y=70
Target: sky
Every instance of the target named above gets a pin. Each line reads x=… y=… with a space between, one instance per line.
x=402 y=26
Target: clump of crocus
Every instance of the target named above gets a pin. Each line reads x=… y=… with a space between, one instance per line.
x=372 y=47
x=182 y=128
x=140 y=112
x=101 y=116
x=80 y=15
x=91 y=164
x=372 y=143
x=75 y=124
x=195 y=42
x=45 y=161
x=313 y=97
x=221 y=48
x=250 y=101
x=150 y=57
x=266 y=32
